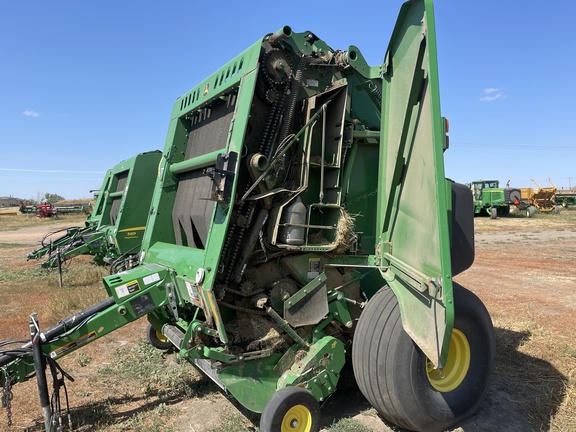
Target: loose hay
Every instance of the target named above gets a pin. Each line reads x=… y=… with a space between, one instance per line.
x=344 y=238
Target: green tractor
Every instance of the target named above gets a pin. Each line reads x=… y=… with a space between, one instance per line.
x=302 y=222
x=565 y=197
x=113 y=232
x=492 y=200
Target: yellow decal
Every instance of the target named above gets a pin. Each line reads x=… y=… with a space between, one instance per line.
x=140 y=228
x=73 y=345
x=127 y=289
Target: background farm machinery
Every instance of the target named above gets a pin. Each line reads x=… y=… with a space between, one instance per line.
x=300 y=222
x=113 y=233
x=544 y=199
x=52 y=210
x=492 y=200
x=565 y=197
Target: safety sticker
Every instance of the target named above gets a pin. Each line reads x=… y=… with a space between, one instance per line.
x=73 y=345
x=127 y=289
x=193 y=293
x=313 y=268
x=151 y=279
x=312 y=82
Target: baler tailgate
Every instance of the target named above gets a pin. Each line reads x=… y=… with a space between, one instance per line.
x=414 y=245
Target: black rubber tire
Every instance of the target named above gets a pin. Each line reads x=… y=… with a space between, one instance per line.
x=390 y=369
x=530 y=212
x=515 y=196
x=503 y=211
x=283 y=401
x=493 y=213
x=152 y=337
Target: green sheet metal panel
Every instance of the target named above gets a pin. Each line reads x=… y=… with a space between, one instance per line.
x=414 y=246
x=135 y=202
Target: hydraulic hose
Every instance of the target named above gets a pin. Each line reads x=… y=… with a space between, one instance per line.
x=62 y=327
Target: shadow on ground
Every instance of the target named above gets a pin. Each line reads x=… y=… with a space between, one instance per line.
x=525 y=395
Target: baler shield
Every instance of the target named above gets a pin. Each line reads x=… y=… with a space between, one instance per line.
x=412 y=212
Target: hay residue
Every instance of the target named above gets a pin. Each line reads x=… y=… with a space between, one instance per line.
x=344 y=234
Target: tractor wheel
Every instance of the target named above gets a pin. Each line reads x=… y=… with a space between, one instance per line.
x=530 y=211
x=402 y=384
x=157 y=339
x=493 y=213
x=503 y=211
x=291 y=409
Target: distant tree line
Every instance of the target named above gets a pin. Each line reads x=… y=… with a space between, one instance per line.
x=48 y=198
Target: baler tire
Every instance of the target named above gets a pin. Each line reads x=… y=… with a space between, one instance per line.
x=493 y=213
x=391 y=371
x=291 y=409
x=157 y=339
x=530 y=212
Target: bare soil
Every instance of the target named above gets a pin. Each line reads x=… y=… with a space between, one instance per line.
x=524 y=271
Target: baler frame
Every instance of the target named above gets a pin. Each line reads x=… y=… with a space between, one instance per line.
x=261 y=169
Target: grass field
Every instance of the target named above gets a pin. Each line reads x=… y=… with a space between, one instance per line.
x=525 y=272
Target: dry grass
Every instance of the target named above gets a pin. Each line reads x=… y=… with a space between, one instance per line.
x=539 y=369
x=533 y=317
x=565 y=220
x=121 y=385
x=9 y=223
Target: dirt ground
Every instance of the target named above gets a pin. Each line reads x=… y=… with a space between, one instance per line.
x=524 y=271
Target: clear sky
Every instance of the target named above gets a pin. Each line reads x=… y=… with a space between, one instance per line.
x=87 y=84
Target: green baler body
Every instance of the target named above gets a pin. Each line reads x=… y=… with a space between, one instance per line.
x=295 y=182
x=116 y=225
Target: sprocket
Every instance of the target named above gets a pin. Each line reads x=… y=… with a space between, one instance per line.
x=277 y=67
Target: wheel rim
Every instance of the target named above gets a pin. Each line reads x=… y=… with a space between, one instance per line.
x=297 y=419
x=161 y=337
x=457 y=365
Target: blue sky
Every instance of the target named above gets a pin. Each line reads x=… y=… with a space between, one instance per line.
x=86 y=84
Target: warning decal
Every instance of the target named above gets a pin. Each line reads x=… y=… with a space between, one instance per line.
x=127 y=289
x=313 y=268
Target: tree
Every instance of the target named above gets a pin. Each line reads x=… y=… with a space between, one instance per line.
x=52 y=198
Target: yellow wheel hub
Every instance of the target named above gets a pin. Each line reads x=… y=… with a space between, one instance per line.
x=161 y=337
x=457 y=365
x=297 y=419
